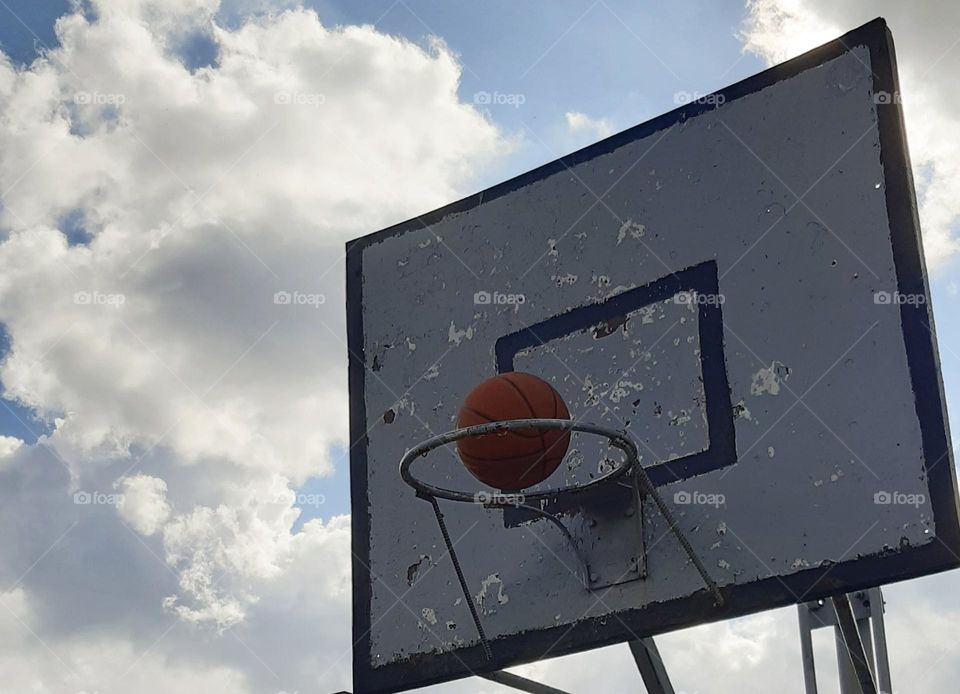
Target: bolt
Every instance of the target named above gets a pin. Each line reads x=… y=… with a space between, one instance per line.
x=594 y=578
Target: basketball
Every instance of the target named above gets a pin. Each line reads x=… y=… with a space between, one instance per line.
x=518 y=458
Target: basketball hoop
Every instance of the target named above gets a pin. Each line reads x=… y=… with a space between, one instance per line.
x=630 y=468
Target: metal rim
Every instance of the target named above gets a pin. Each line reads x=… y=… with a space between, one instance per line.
x=617 y=440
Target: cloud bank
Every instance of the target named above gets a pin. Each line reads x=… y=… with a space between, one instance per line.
x=171 y=280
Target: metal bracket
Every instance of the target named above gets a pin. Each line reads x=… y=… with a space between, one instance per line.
x=605 y=526
x=866 y=610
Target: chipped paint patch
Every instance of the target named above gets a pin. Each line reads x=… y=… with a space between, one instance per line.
x=430 y=615
x=771 y=451
x=432 y=372
x=567 y=279
x=623 y=388
x=552 y=246
x=455 y=336
x=602 y=281
x=647 y=313
x=632 y=228
x=414 y=569
x=741 y=411
x=405 y=404
x=491 y=580
x=768 y=380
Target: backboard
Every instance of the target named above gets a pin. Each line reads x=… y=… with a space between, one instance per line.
x=739 y=285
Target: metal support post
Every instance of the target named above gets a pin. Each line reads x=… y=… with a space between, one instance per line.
x=651 y=667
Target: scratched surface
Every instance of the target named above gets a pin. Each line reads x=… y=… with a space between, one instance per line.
x=812 y=360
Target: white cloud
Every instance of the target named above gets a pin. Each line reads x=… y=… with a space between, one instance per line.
x=157 y=350
x=580 y=123
x=8 y=446
x=928 y=62
x=208 y=193
x=143 y=505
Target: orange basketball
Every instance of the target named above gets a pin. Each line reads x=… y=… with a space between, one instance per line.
x=518 y=458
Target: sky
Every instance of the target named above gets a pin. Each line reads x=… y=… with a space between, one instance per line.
x=173 y=464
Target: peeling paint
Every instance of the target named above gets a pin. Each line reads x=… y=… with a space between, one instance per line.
x=635 y=230
x=455 y=336
x=601 y=281
x=492 y=579
x=414 y=569
x=741 y=411
x=608 y=327
x=624 y=388
x=768 y=380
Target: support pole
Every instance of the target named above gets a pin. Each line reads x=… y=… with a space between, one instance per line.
x=852 y=652
x=806 y=650
x=650 y=664
x=866 y=638
x=880 y=641
x=847 y=678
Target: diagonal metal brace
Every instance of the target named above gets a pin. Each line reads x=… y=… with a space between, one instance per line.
x=521 y=683
x=854 y=645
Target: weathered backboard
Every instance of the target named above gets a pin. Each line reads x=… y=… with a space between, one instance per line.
x=740 y=285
